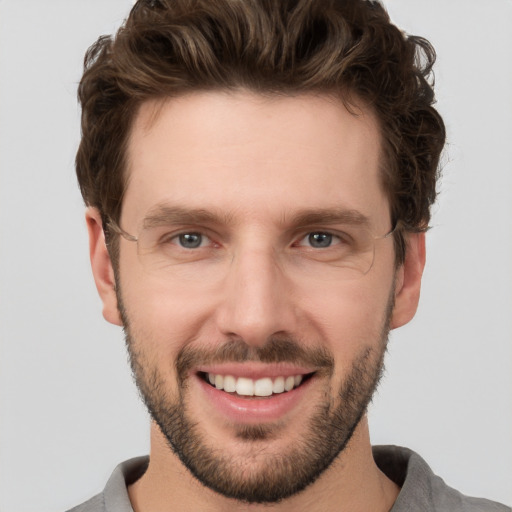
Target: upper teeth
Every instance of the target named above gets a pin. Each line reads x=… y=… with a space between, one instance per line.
x=249 y=387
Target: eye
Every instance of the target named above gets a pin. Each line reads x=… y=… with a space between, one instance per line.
x=190 y=240
x=319 y=240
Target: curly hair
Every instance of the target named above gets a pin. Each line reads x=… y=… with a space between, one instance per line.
x=344 y=47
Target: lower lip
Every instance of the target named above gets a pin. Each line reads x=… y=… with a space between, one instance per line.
x=253 y=410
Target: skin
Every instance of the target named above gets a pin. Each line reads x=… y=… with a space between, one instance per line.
x=240 y=152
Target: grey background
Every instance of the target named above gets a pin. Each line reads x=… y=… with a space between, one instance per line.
x=68 y=410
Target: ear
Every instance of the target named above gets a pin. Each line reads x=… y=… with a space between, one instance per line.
x=102 y=267
x=408 y=281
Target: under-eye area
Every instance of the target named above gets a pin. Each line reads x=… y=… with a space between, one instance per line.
x=263 y=387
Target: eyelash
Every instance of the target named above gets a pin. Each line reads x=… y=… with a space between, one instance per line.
x=328 y=233
x=175 y=238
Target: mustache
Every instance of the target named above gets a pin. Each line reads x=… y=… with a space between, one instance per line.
x=278 y=349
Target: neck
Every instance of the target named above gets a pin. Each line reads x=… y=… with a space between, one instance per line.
x=352 y=483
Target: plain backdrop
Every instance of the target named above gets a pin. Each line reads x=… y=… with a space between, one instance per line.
x=69 y=411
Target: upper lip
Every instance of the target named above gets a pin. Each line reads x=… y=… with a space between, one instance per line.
x=255 y=371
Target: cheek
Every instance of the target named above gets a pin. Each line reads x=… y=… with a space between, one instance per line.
x=344 y=317
x=348 y=319
x=164 y=316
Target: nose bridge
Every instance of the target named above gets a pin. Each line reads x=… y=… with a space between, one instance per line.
x=256 y=302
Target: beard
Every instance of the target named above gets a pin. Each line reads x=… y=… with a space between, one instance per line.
x=258 y=475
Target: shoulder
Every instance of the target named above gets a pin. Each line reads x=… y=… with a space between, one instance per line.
x=449 y=499
x=95 y=504
x=421 y=489
x=114 y=497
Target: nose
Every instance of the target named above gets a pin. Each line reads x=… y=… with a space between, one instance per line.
x=257 y=298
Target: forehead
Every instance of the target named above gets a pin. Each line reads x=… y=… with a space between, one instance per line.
x=252 y=155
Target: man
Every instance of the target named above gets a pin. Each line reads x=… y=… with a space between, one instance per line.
x=259 y=176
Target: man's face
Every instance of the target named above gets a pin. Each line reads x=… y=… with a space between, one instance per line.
x=239 y=278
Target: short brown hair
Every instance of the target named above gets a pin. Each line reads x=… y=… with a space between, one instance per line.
x=344 y=47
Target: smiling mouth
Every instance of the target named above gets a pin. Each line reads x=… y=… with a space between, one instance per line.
x=263 y=387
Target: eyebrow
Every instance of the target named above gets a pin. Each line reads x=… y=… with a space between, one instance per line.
x=162 y=215
x=329 y=216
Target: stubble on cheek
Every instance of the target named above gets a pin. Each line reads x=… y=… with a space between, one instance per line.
x=248 y=471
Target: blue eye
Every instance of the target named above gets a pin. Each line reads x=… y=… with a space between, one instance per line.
x=190 y=240
x=320 y=240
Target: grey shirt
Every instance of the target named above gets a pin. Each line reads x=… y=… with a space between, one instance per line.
x=421 y=490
